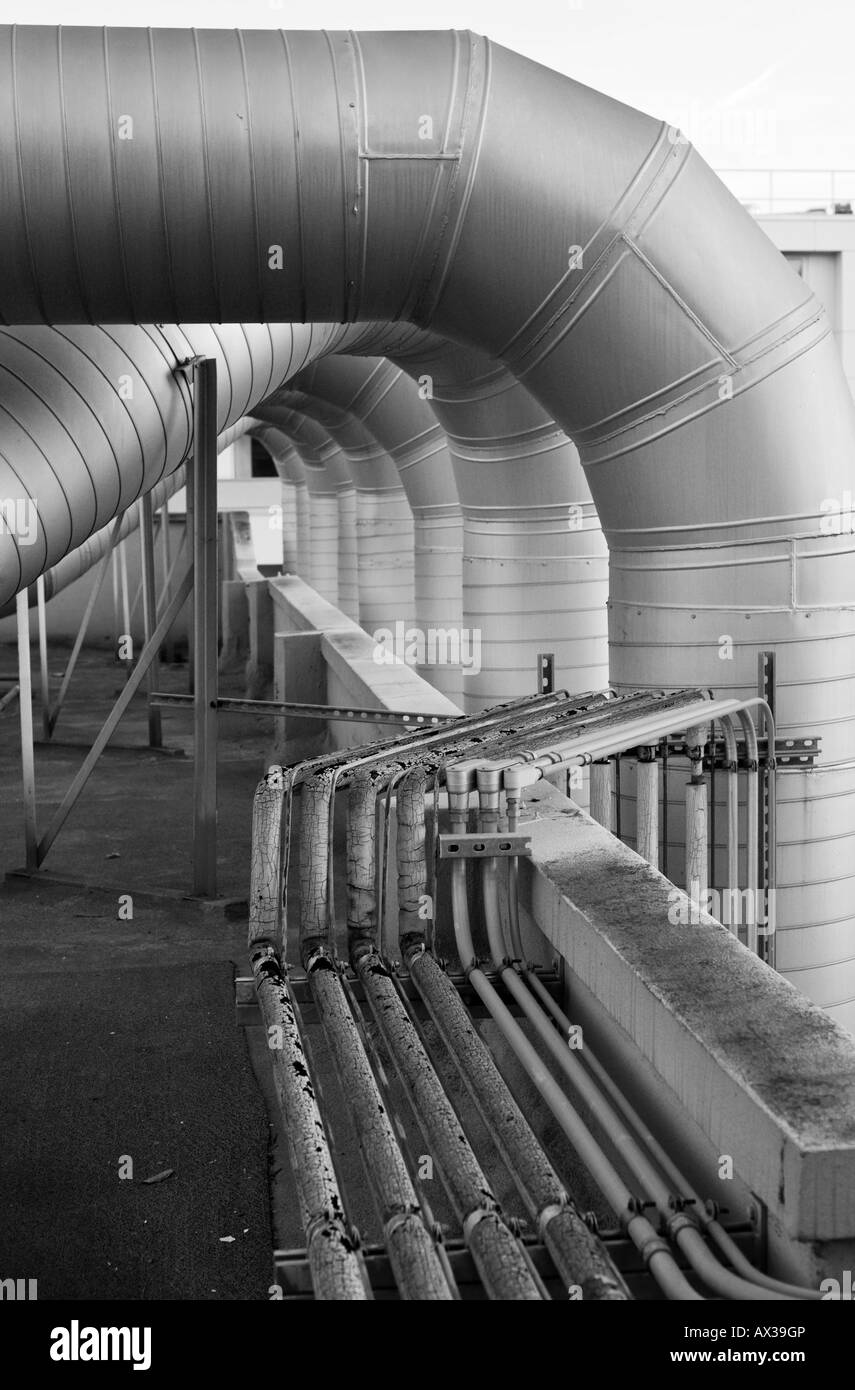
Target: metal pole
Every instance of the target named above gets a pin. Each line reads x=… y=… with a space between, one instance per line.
x=697 y=855
x=28 y=764
x=165 y=548
x=155 y=738
x=189 y=533
x=44 y=692
x=205 y=627
x=114 y=576
x=126 y=611
x=601 y=793
x=647 y=806
x=131 y=686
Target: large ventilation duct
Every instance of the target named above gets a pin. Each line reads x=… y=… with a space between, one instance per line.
x=534 y=573
x=391 y=407
x=441 y=179
x=534 y=560
x=332 y=560
x=294 y=506
x=382 y=520
x=392 y=560
x=91 y=418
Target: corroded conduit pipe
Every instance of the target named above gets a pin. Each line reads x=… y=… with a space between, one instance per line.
x=580 y=1258
x=361 y=849
x=534 y=727
x=416 y=1266
x=335 y=1269
x=342 y=760
x=315 y=798
x=498 y=1255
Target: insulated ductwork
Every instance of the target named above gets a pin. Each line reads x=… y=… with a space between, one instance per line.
x=392 y=408
x=332 y=552
x=443 y=180
x=381 y=519
x=294 y=507
x=91 y=418
x=534 y=559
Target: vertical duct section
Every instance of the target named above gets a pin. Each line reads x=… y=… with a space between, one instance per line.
x=332 y=551
x=535 y=575
x=384 y=523
x=400 y=418
x=296 y=521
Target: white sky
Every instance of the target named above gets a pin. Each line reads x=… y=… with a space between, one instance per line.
x=754 y=83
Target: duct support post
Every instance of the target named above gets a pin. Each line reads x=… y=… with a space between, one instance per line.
x=44 y=690
x=166 y=563
x=647 y=809
x=155 y=735
x=28 y=764
x=766 y=689
x=602 y=776
x=696 y=819
x=121 y=557
x=202 y=519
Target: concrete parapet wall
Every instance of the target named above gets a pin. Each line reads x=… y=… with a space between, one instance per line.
x=347 y=673
x=722 y=1046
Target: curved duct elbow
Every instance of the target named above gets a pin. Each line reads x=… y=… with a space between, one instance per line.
x=384 y=399
x=534 y=560
x=332 y=552
x=384 y=522
x=294 y=505
x=639 y=304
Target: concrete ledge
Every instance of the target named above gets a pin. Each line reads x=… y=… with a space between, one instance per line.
x=765 y=1074
x=351 y=675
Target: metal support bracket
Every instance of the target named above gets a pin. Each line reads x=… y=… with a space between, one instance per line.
x=343 y=713
x=789 y=752
x=483 y=846
x=545 y=673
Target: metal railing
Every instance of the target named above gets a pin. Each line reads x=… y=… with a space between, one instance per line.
x=792 y=191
